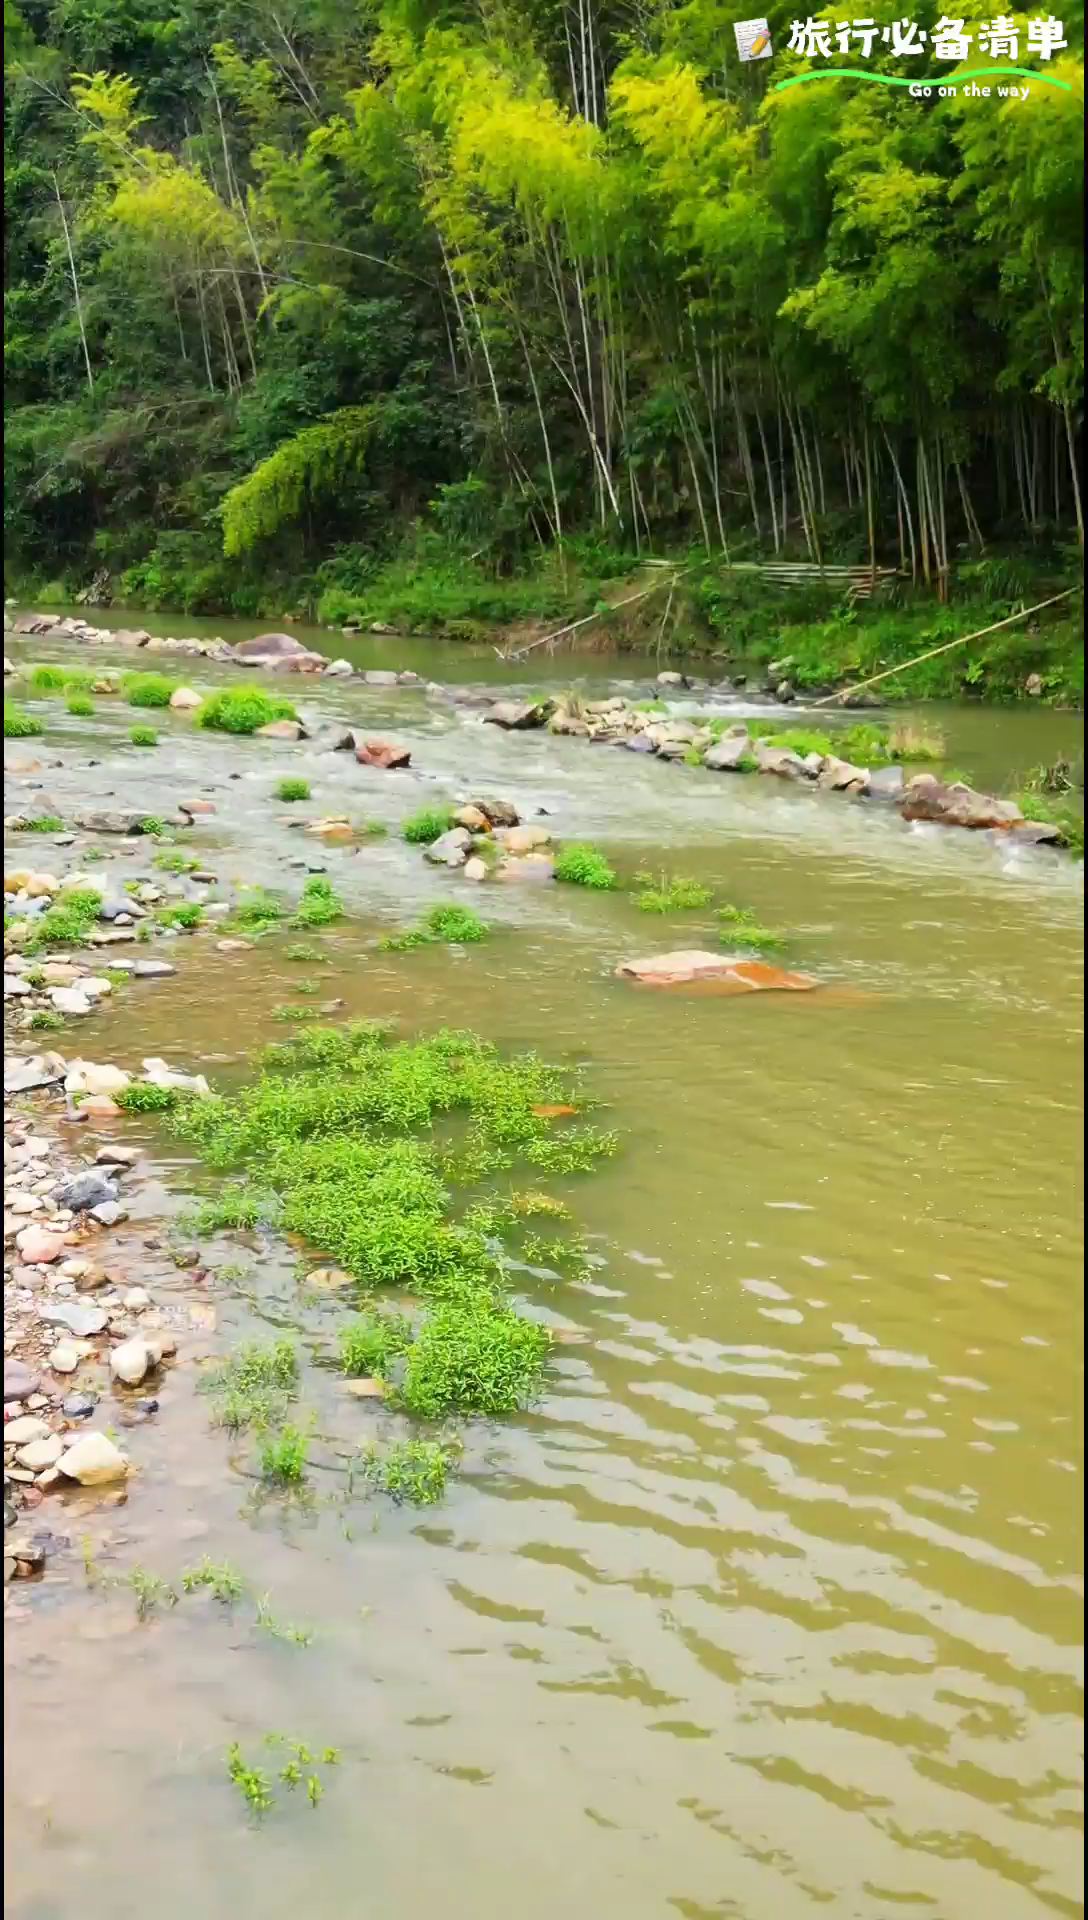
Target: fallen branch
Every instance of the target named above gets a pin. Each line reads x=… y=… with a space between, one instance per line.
x=562 y=632
x=846 y=693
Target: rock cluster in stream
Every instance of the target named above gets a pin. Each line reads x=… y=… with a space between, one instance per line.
x=85 y=1340
x=272 y=652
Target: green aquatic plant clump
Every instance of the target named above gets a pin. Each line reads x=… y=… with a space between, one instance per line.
x=426 y=826
x=369 y=1345
x=45 y=823
x=456 y=925
x=670 y=893
x=80 y=706
x=45 y=1020
x=18 y=723
x=473 y=1354
x=242 y=710
x=143 y=1096
x=409 y=1471
x=46 y=678
x=1068 y=819
x=139 y=736
x=67 y=923
x=254 y=1387
x=583 y=866
x=148 y=689
x=740 y=927
x=293 y=789
x=320 y=904
x=187 y=915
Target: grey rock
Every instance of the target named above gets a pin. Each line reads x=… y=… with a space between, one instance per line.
x=520 y=716
x=1038 y=833
x=886 y=783
x=114 y=820
x=840 y=776
x=83 y=1322
x=152 y=969
x=110 y=1213
x=19 y=1381
x=85 y=1191
x=78 y=1406
x=671 y=679
x=121 y=905
x=501 y=813
x=40 y=1070
x=450 y=849
x=638 y=743
x=117 y=1156
x=727 y=753
x=380 y=677
x=780 y=761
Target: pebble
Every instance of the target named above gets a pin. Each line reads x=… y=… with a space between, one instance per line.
x=65 y=1357
x=39 y=1454
x=25 y=1430
x=110 y=1213
x=39 y=1247
x=69 y=1000
x=78 y=1406
x=136 y=1300
x=84 y=1322
x=117 y=1156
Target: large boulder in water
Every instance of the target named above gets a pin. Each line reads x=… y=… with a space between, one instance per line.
x=729 y=754
x=381 y=753
x=279 y=651
x=956 y=805
x=730 y=973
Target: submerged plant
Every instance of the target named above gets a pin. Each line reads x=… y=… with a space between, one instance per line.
x=222 y=1581
x=151 y=1592
x=252 y=1782
x=254 y=1387
x=369 y=1345
x=584 y=866
x=281 y=1629
x=301 y=952
x=415 y=1471
x=297 y=1013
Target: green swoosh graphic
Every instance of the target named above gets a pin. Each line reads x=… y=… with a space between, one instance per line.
x=894 y=80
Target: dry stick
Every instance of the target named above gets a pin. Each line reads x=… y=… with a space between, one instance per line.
x=561 y=632
x=846 y=693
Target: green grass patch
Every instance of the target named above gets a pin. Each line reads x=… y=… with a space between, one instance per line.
x=141 y=736
x=172 y=862
x=148 y=689
x=45 y=823
x=257 y=911
x=427 y=825
x=237 y=1204
x=741 y=928
x=79 y=705
x=18 y=723
x=220 y=1579
x=254 y=1387
x=1069 y=819
x=583 y=866
x=300 y=951
x=243 y=710
x=293 y=789
x=295 y=1013
x=473 y=1355
x=409 y=1471
x=46 y=678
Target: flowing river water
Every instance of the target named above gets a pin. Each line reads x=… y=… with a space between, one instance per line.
x=771 y=1605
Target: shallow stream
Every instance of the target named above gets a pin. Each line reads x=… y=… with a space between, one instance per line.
x=771 y=1605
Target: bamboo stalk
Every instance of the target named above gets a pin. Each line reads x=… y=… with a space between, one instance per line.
x=845 y=693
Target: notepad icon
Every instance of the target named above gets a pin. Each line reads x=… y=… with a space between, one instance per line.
x=753 y=39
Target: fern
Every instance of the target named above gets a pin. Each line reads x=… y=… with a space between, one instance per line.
x=317 y=461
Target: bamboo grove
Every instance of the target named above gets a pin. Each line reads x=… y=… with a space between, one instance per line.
x=286 y=276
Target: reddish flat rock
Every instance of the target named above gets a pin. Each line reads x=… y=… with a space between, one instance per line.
x=728 y=973
x=379 y=753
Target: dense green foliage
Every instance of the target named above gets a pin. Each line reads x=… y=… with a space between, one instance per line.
x=449 y=316
x=242 y=710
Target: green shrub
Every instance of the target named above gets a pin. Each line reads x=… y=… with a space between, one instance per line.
x=293 y=790
x=79 y=705
x=18 y=724
x=427 y=826
x=148 y=689
x=408 y=1470
x=142 y=736
x=583 y=866
x=243 y=710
